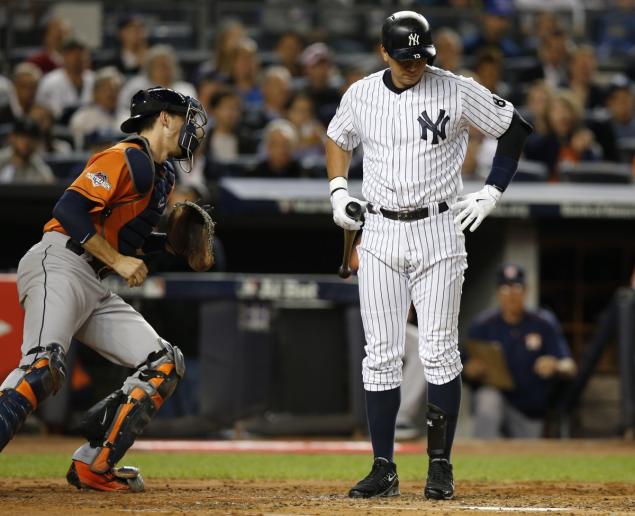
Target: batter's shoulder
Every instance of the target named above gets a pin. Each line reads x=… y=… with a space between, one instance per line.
x=364 y=81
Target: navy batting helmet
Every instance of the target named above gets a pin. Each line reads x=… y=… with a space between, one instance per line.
x=406 y=35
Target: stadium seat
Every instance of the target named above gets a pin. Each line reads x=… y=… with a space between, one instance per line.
x=596 y=172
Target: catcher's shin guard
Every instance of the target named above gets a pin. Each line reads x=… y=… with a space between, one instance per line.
x=27 y=386
x=112 y=425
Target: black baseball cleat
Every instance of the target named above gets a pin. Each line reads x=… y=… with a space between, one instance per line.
x=440 y=482
x=381 y=481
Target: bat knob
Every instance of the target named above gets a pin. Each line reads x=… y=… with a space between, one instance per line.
x=354 y=210
x=344 y=272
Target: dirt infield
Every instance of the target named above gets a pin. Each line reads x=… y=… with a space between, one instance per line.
x=53 y=497
x=194 y=496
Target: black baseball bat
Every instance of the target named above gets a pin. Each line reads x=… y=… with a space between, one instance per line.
x=354 y=211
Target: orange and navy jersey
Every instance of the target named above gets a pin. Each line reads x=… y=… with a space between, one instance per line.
x=129 y=193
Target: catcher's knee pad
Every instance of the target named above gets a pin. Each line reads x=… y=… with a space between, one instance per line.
x=27 y=386
x=112 y=425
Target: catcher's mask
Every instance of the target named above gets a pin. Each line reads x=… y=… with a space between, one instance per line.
x=154 y=100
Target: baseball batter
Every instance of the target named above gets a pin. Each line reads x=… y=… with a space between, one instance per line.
x=102 y=224
x=412 y=120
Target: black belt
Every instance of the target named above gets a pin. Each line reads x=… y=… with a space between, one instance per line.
x=419 y=213
x=100 y=268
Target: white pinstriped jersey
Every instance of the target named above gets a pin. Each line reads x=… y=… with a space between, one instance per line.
x=415 y=141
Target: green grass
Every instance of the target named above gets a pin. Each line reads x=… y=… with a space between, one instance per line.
x=500 y=468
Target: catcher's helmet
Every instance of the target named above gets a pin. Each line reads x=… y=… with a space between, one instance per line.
x=154 y=100
x=406 y=35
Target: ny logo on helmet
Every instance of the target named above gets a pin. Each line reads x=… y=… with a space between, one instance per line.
x=436 y=128
x=413 y=39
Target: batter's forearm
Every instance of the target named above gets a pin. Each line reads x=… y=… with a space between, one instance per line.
x=99 y=247
x=338 y=160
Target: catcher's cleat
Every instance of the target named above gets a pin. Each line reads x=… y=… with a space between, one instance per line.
x=124 y=478
x=440 y=482
x=381 y=481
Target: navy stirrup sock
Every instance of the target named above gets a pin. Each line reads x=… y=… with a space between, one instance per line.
x=443 y=410
x=381 y=410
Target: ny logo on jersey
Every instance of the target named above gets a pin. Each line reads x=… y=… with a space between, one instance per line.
x=413 y=40
x=437 y=128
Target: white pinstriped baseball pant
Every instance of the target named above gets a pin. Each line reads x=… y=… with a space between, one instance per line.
x=400 y=261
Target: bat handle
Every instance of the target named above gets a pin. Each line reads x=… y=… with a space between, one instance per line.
x=355 y=212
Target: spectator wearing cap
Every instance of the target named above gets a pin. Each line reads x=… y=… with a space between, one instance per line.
x=280 y=142
x=536 y=355
x=161 y=68
x=20 y=92
x=67 y=88
x=133 y=45
x=495 y=25
x=318 y=68
x=20 y=161
x=50 y=57
x=99 y=117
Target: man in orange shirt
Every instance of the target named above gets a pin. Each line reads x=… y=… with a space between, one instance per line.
x=103 y=224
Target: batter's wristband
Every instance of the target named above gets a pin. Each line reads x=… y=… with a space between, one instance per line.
x=338 y=183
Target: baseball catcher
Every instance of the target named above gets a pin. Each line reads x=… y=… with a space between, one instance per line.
x=103 y=224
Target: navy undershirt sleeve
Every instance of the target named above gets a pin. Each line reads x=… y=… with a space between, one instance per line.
x=508 y=150
x=73 y=213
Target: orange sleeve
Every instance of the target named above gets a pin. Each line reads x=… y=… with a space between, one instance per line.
x=105 y=179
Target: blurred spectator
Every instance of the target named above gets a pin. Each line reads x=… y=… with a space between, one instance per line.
x=535 y=352
x=276 y=90
x=223 y=144
x=20 y=92
x=449 y=50
x=245 y=68
x=567 y=139
x=160 y=69
x=582 y=72
x=539 y=96
x=317 y=63
x=133 y=45
x=50 y=57
x=542 y=25
x=496 y=21
x=48 y=143
x=311 y=133
x=100 y=115
x=620 y=105
x=489 y=71
x=67 y=88
x=615 y=29
x=20 y=161
x=280 y=144
x=219 y=66
x=352 y=74
x=288 y=51
x=553 y=56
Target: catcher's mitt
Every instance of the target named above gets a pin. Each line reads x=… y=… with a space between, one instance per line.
x=191 y=234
